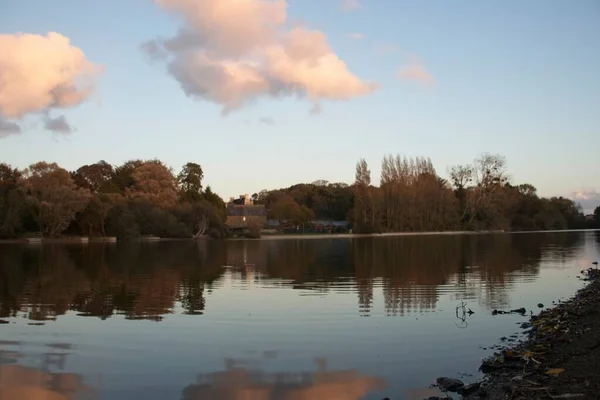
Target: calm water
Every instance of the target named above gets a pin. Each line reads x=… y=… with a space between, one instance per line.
x=283 y=319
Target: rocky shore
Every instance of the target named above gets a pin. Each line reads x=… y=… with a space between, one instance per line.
x=560 y=359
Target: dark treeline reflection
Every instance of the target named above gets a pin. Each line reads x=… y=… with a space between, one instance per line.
x=140 y=281
x=147 y=281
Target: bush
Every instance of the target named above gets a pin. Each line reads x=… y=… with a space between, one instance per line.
x=252 y=232
x=122 y=224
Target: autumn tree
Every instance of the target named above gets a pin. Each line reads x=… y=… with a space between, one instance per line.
x=262 y=196
x=122 y=177
x=52 y=197
x=11 y=202
x=215 y=201
x=153 y=181
x=320 y=182
x=95 y=177
x=328 y=201
x=287 y=209
x=365 y=220
x=414 y=198
x=206 y=216
x=92 y=220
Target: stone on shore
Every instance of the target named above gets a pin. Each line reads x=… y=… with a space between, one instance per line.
x=469 y=389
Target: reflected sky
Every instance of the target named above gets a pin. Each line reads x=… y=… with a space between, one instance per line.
x=378 y=310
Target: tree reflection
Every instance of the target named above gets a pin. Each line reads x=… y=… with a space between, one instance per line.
x=138 y=281
x=149 y=280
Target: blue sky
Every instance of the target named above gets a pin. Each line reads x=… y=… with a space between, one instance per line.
x=515 y=78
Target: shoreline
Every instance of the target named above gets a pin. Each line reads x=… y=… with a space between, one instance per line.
x=278 y=236
x=284 y=236
x=392 y=234
x=558 y=359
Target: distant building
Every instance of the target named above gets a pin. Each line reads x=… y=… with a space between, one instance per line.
x=242 y=213
x=589 y=217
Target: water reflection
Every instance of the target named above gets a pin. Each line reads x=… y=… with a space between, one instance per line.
x=243 y=383
x=150 y=281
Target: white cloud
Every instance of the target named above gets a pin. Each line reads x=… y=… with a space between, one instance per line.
x=588 y=198
x=232 y=52
x=42 y=73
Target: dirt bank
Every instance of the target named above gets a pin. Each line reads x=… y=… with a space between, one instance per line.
x=559 y=360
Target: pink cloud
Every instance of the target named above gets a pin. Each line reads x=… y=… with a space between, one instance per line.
x=42 y=73
x=415 y=71
x=232 y=52
x=350 y=5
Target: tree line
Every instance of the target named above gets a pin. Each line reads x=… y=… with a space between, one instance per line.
x=146 y=197
x=412 y=197
x=134 y=199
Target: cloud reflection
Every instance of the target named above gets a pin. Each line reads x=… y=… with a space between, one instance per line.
x=236 y=383
x=30 y=383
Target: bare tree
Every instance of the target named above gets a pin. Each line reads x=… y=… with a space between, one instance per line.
x=414 y=198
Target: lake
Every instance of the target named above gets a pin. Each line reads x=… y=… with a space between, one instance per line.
x=337 y=318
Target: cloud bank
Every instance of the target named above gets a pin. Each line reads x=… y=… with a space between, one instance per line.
x=39 y=74
x=232 y=52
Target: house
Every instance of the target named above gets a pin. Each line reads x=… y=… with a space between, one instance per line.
x=243 y=213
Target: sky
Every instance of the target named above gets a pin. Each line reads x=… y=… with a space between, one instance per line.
x=268 y=93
